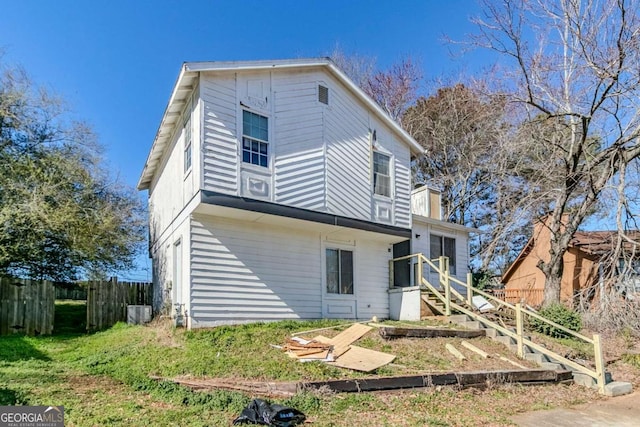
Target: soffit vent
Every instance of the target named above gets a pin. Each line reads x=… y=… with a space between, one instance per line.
x=323 y=94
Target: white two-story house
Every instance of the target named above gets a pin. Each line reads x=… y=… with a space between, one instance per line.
x=277 y=190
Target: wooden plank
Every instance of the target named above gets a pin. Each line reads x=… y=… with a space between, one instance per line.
x=322 y=355
x=460 y=379
x=362 y=359
x=344 y=339
x=369 y=384
x=504 y=359
x=451 y=349
x=252 y=387
x=475 y=349
x=393 y=332
x=319 y=329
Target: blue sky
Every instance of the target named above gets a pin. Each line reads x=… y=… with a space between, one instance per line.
x=115 y=62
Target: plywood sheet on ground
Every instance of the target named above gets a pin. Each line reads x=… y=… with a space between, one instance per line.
x=344 y=339
x=363 y=359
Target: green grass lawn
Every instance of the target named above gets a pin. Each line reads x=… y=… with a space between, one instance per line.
x=105 y=378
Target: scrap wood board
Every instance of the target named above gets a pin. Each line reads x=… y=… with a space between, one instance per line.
x=281 y=389
x=344 y=339
x=362 y=359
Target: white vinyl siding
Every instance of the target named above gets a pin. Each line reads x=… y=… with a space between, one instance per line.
x=249 y=272
x=348 y=156
x=220 y=141
x=299 y=157
x=319 y=156
x=372 y=275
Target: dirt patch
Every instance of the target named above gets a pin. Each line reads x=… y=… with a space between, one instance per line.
x=86 y=387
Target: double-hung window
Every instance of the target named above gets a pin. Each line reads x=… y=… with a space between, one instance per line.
x=443 y=246
x=339 y=271
x=255 y=139
x=381 y=174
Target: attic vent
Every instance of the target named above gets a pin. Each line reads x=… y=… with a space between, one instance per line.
x=323 y=94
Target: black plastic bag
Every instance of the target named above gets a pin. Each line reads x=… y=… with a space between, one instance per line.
x=264 y=413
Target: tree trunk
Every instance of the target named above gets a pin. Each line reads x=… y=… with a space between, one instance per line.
x=553 y=270
x=552 y=289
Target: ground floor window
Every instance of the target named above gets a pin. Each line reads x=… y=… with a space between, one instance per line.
x=339 y=271
x=443 y=246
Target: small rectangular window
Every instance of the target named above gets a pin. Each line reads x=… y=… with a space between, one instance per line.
x=323 y=94
x=187 y=144
x=339 y=271
x=381 y=174
x=255 y=139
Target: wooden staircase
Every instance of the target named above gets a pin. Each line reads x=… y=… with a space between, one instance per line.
x=445 y=300
x=431 y=305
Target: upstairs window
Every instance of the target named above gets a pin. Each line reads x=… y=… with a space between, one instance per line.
x=339 y=271
x=381 y=174
x=187 y=144
x=255 y=139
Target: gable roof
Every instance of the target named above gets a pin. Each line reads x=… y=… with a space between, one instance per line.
x=189 y=73
x=602 y=242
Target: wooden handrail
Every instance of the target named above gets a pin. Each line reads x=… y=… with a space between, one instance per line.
x=445 y=280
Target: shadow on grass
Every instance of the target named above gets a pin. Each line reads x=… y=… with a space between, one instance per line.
x=18 y=347
x=10 y=397
x=70 y=318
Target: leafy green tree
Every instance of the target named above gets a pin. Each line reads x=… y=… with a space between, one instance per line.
x=61 y=215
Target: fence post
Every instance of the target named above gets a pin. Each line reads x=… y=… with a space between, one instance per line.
x=444 y=270
x=597 y=352
x=520 y=331
x=470 y=290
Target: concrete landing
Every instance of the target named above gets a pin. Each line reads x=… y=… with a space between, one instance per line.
x=623 y=411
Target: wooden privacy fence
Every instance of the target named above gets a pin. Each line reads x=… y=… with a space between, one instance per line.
x=107 y=301
x=532 y=297
x=26 y=306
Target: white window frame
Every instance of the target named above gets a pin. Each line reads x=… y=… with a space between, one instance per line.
x=376 y=175
x=253 y=139
x=340 y=270
x=188 y=144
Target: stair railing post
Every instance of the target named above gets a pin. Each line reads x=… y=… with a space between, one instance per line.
x=444 y=270
x=597 y=352
x=520 y=331
x=391 y=274
x=420 y=270
x=470 y=290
